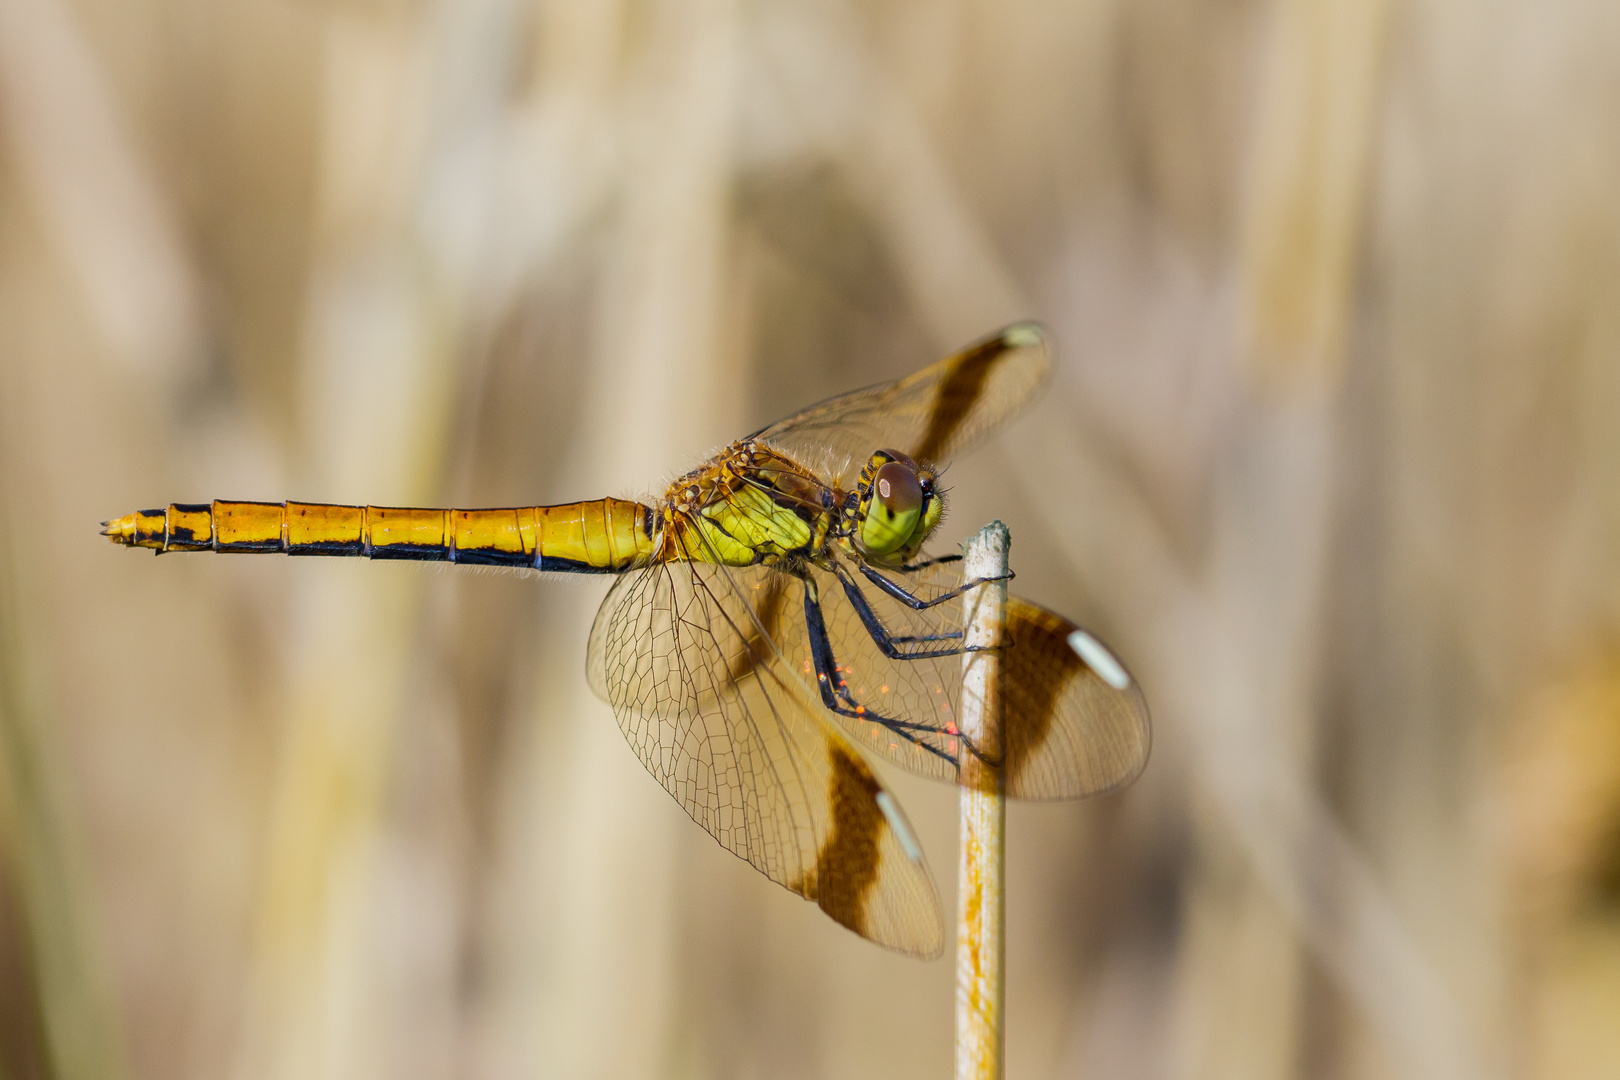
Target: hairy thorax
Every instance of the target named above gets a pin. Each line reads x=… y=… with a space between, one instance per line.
x=746 y=506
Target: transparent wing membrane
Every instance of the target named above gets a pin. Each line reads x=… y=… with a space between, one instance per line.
x=1074 y=721
x=685 y=654
x=930 y=415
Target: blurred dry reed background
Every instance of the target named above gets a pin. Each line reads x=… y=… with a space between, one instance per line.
x=1332 y=457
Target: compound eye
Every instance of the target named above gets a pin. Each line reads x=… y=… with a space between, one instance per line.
x=897 y=489
x=894 y=510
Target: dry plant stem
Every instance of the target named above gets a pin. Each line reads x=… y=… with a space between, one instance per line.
x=980 y=906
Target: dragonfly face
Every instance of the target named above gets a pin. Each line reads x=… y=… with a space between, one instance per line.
x=773 y=612
x=897 y=508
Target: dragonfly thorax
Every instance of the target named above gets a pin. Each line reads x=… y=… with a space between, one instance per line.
x=746 y=506
x=751 y=505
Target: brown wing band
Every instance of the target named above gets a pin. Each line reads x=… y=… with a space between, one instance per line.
x=848 y=863
x=959 y=391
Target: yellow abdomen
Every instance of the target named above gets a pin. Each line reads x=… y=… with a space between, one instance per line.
x=602 y=536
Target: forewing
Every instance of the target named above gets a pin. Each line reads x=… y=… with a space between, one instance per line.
x=1074 y=720
x=685 y=654
x=930 y=415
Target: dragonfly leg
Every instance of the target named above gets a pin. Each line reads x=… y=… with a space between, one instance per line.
x=890 y=644
x=899 y=592
x=938 y=560
x=835 y=693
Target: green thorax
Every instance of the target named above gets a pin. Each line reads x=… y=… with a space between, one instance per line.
x=745 y=507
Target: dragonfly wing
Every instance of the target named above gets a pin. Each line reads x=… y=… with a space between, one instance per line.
x=1074 y=720
x=930 y=415
x=684 y=653
x=904 y=710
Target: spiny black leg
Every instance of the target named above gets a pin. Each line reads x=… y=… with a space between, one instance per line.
x=889 y=644
x=937 y=560
x=835 y=693
x=899 y=592
x=821 y=654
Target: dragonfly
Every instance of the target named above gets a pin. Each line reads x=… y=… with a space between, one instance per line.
x=775 y=620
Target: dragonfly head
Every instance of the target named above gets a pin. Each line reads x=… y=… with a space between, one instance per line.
x=898 y=507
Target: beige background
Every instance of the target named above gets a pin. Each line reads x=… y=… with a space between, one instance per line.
x=1331 y=457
